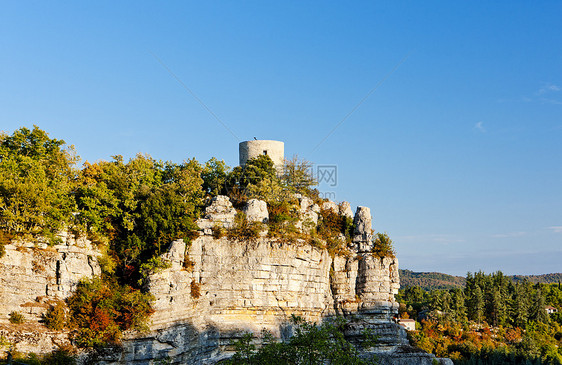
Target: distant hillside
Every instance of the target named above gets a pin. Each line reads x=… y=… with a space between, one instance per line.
x=553 y=278
x=430 y=280
x=437 y=280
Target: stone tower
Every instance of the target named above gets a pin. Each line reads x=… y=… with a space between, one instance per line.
x=252 y=149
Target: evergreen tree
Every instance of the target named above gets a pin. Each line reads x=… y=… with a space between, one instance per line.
x=458 y=305
x=538 y=312
x=520 y=306
x=477 y=305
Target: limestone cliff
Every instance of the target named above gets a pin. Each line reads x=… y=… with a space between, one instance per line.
x=34 y=275
x=220 y=289
x=216 y=289
x=253 y=286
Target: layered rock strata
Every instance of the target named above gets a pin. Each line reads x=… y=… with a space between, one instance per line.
x=221 y=289
x=216 y=289
x=33 y=276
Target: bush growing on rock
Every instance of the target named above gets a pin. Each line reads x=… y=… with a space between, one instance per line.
x=244 y=230
x=61 y=356
x=55 y=318
x=382 y=246
x=312 y=344
x=195 y=289
x=283 y=216
x=335 y=230
x=101 y=310
x=16 y=318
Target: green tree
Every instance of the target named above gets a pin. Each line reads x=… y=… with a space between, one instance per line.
x=37 y=177
x=458 y=305
x=214 y=176
x=297 y=176
x=476 y=308
x=538 y=311
x=311 y=344
x=496 y=310
x=241 y=177
x=139 y=207
x=520 y=306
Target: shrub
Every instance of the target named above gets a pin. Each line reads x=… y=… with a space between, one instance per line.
x=244 y=230
x=55 y=318
x=16 y=318
x=382 y=246
x=280 y=212
x=5 y=239
x=188 y=265
x=218 y=231
x=100 y=311
x=152 y=266
x=282 y=219
x=195 y=289
x=62 y=356
x=311 y=344
x=336 y=230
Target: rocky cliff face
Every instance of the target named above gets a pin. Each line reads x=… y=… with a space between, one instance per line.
x=221 y=289
x=235 y=287
x=33 y=276
x=217 y=289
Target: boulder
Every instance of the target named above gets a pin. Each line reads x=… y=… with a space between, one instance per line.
x=308 y=213
x=330 y=205
x=256 y=211
x=345 y=209
x=219 y=212
x=362 y=222
x=175 y=254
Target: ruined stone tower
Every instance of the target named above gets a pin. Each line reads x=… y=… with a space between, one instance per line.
x=252 y=149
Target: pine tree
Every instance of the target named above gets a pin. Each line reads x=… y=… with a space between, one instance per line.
x=458 y=305
x=477 y=305
x=538 y=312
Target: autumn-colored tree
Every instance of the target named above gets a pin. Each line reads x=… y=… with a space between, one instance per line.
x=101 y=310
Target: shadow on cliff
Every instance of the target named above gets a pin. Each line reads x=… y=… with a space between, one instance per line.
x=184 y=343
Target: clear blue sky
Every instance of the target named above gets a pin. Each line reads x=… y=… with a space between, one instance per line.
x=457 y=153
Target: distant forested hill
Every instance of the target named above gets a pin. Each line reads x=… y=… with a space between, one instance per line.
x=546 y=278
x=430 y=280
x=437 y=280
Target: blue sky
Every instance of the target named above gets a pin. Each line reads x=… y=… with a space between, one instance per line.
x=457 y=152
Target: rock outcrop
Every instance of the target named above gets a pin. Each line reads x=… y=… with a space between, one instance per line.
x=245 y=287
x=308 y=213
x=34 y=275
x=256 y=211
x=220 y=213
x=234 y=287
x=216 y=289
